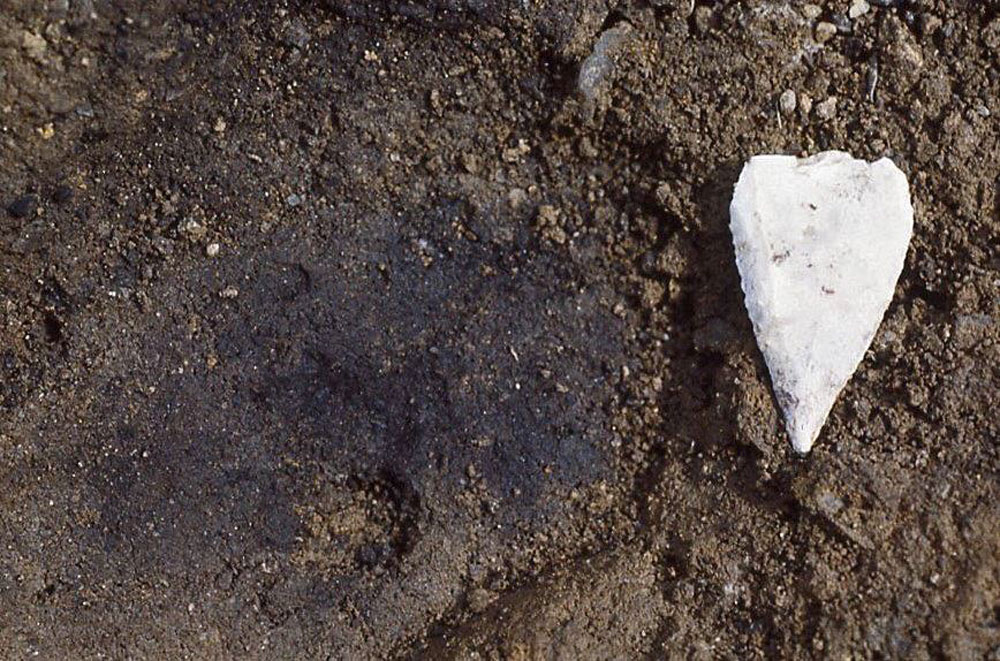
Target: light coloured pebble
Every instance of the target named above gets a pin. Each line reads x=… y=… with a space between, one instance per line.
x=858 y=8
x=703 y=19
x=805 y=104
x=811 y=11
x=192 y=230
x=212 y=249
x=34 y=45
x=787 y=102
x=827 y=109
x=825 y=32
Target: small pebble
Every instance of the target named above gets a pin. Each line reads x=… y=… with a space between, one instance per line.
x=212 y=249
x=703 y=16
x=229 y=292
x=842 y=22
x=293 y=200
x=34 y=45
x=827 y=109
x=192 y=230
x=811 y=11
x=470 y=162
x=787 y=102
x=825 y=32
x=22 y=207
x=929 y=24
x=297 y=35
x=805 y=104
x=858 y=8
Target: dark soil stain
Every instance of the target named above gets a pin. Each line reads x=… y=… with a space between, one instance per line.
x=367 y=330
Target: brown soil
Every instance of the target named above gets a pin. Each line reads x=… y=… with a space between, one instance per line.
x=470 y=375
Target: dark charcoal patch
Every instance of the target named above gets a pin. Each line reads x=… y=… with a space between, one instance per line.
x=23 y=206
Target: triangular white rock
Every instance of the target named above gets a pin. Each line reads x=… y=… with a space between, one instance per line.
x=820 y=243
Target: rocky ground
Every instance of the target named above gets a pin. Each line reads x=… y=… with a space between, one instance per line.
x=338 y=329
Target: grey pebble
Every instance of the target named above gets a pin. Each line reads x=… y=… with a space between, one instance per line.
x=23 y=206
x=296 y=34
x=787 y=102
x=842 y=22
x=827 y=109
x=598 y=66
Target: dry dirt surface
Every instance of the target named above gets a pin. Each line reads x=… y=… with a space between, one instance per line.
x=399 y=329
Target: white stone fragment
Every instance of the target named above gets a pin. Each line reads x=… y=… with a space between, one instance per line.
x=820 y=243
x=858 y=8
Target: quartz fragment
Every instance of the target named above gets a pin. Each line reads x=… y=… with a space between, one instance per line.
x=820 y=243
x=858 y=8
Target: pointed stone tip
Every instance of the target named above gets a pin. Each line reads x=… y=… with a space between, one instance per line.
x=802 y=445
x=803 y=424
x=819 y=244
